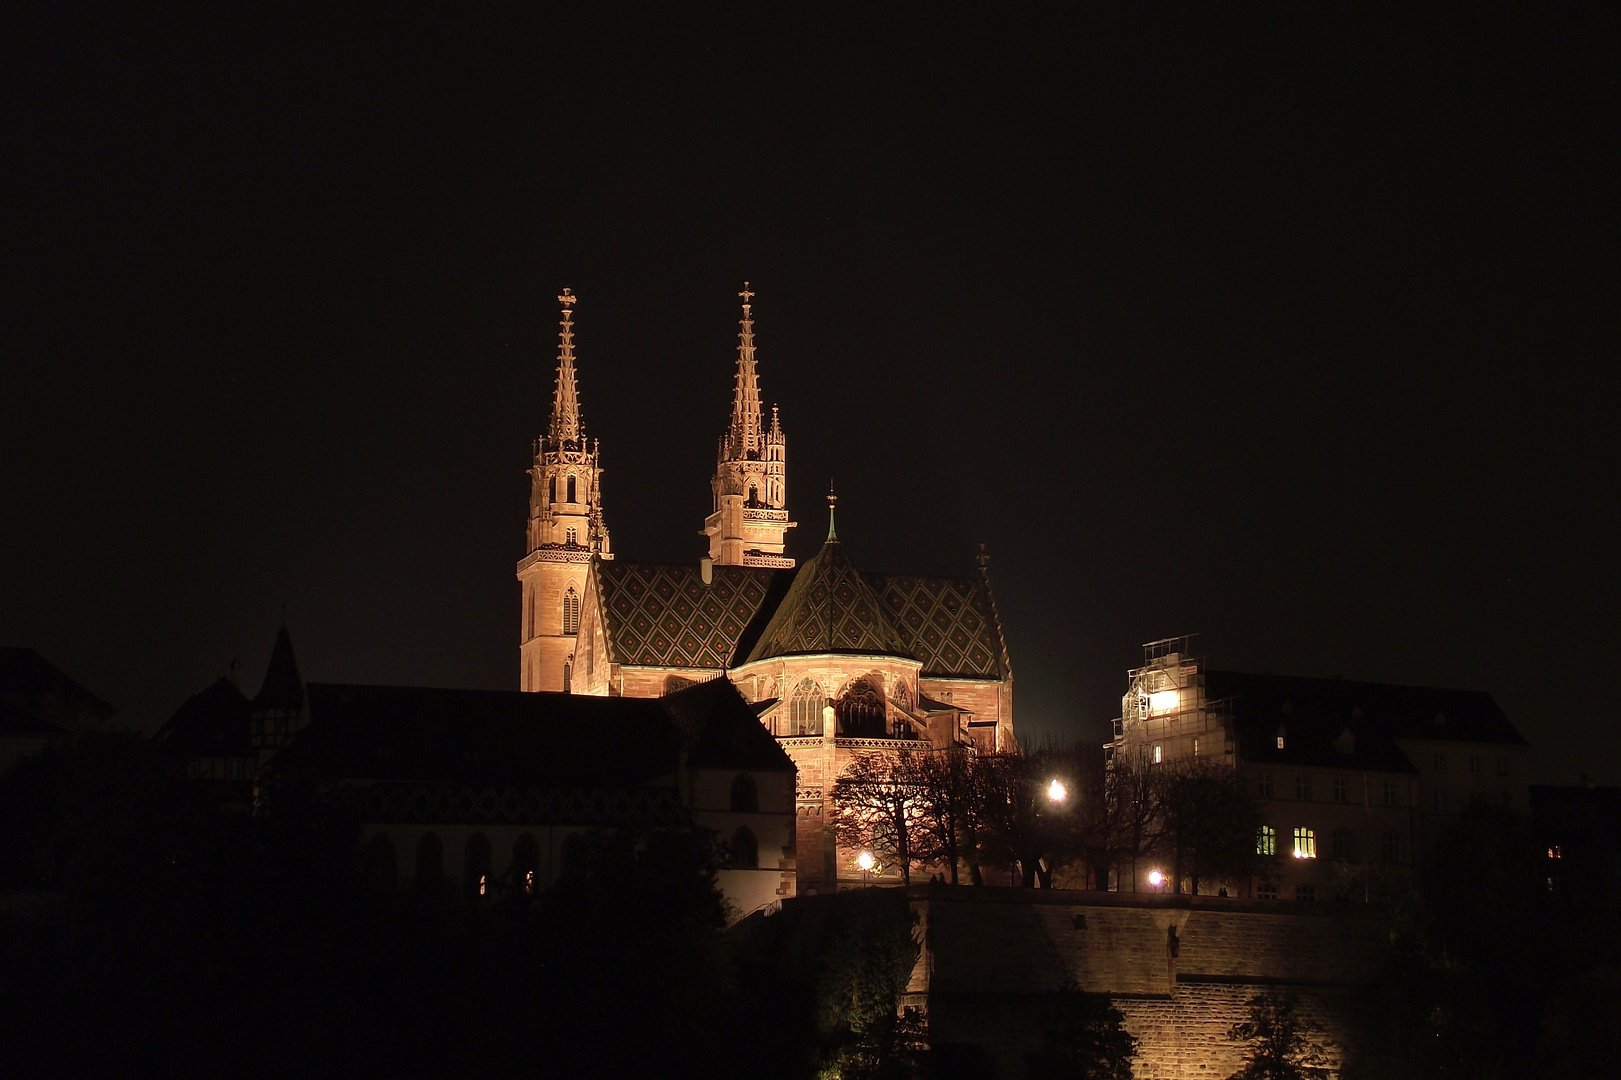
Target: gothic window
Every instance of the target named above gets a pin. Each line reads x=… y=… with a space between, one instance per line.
x=572 y=491
x=568 y=676
x=745 y=849
x=754 y=495
x=572 y=536
x=1266 y=841
x=573 y=852
x=430 y=863
x=381 y=869
x=476 y=866
x=745 y=794
x=1305 y=844
x=571 y=604
x=551 y=489
x=861 y=711
x=805 y=709
x=525 y=863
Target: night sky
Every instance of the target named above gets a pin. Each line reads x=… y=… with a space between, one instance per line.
x=1277 y=326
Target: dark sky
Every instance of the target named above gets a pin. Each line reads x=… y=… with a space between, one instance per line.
x=1279 y=326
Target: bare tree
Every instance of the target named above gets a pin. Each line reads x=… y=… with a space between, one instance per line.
x=1132 y=823
x=878 y=803
x=1209 y=821
x=947 y=825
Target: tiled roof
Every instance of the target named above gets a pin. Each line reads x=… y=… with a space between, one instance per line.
x=829 y=609
x=665 y=616
x=1314 y=712
x=948 y=623
x=213 y=723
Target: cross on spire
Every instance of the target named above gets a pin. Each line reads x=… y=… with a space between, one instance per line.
x=568 y=298
x=745 y=294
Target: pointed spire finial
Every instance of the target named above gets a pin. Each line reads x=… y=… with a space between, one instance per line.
x=746 y=294
x=983 y=559
x=743 y=436
x=832 y=503
x=565 y=425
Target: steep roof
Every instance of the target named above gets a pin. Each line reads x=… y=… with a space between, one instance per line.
x=282 y=690
x=665 y=616
x=36 y=686
x=722 y=730
x=829 y=609
x=949 y=624
x=1316 y=711
x=483 y=738
x=215 y=722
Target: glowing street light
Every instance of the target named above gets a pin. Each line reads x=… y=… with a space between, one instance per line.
x=1056 y=791
x=864 y=860
x=1156 y=879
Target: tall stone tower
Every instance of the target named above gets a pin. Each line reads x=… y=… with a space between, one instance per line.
x=565 y=529
x=750 y=518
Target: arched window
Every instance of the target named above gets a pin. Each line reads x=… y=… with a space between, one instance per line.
x=568 y=676
x=571 y=536
x=573 y=852
x=745 y=849
x=754 y=495
x=551 y=489
x=476 y=866
x=430 y=863
x=526 y=864
x=380 y=864
x=861 y=711
x=805 y=709
x=745 y=795
x=572 y=490
x=571 y=604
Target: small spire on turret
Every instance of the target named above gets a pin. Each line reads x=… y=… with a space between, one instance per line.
x=565 y=424
x=832 y=502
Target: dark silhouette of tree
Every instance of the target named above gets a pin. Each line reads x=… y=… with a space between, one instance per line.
x=1281 y=1044
x=947 y=819
x=1208 y=821
x=1089 y=1041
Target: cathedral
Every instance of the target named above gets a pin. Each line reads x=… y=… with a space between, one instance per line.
x=834 y=661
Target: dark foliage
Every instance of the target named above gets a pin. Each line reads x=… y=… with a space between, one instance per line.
x=1280 y=1043
x=1088 y=1042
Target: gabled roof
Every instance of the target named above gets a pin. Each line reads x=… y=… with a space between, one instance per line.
x=17 y=721
x=1314 y=713
x=36 y=686
x=665 y=616
x=949 y=624
x=216 y=722
x=283 y=690
x=483 y=738
x=829 y=609
x=722 y=730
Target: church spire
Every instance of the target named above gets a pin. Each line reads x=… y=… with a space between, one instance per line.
x=743 y=436
x=832 y=504
x=565 y=424
x=750 y=483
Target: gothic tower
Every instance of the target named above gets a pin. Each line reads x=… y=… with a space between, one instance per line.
x=750 y=517
x=565 y=529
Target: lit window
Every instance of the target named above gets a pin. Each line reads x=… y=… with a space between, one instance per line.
x=1305 y=844
x=805 y=709
x=1263 y=785
x=1195 y=747
x=1342 y=789
x=1474 y=765
x=1303 y=788
x=1305 y=892
x=1280 y=742
x=1266 y=841
x=1159 y=754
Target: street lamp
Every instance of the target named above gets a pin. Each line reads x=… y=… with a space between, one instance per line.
x=1156 y=879
x=1056 y=791
x=864 y=860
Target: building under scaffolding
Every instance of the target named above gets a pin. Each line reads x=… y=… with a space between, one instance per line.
x=1165 y=714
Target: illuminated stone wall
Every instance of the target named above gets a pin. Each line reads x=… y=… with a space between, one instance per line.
x=994 y=957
